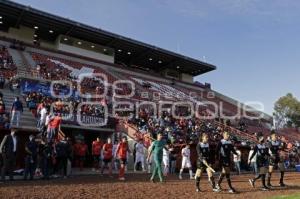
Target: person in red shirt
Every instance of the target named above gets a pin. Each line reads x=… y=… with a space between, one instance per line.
x=54 y=127
x=96 y=153
x=122 y=150
x=107 y=156
x=80 y=151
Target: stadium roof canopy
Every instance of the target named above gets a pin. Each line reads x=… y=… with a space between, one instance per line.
x=127 y=51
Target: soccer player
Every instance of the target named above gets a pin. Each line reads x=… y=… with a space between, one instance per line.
x=122 y=150
x=107 y=156
x=261 y=152
x=186 y=161
x=203 y=151
x=96 y=152
x=224 y=150
x=157 y=151
x=140 y=155
x=275 y=146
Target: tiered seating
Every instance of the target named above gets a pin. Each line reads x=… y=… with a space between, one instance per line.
x=7 y=67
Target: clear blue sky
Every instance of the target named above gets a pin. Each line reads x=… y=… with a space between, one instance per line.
x=254 y=43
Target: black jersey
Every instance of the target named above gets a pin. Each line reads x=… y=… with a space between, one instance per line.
x=224 y=150
x=203 y=151
x=262 y=152
x=275 y=147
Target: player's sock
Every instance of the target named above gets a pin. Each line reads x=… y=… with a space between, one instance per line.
x=263 y=181
x=229 y=182
x=221 y=178
x=269 y=178
x=281 y=178
x=257 y=177
x=180 y=173
x=212 y=182
x=191 y=173
x=198 y=183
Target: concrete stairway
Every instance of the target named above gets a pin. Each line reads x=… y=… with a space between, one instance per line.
x=20 y=61
x=27 y=121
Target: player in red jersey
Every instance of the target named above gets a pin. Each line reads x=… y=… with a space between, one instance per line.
x=122 y=150
x=96 y=152
x=107 y=156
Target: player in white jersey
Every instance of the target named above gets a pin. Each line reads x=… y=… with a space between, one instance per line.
x=166 y=160
x=140 y=155
x=186 y=161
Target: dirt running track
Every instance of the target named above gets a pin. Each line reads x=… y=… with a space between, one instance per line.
x=137 y=186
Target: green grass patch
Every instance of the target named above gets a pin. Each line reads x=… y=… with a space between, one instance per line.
x=294 y=196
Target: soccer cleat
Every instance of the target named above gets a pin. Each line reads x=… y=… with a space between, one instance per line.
x=216 y=190
x=252 y=183
x=282 y=184
x=152 y=180
x=269 y=185
x=180 y=177
x=198 y=190
x=218 y=187
x=231 y=191
x=192 y=178
x=122 y=179
x=265 y=189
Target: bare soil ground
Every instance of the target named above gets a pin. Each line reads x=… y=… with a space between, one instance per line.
x=138 y=186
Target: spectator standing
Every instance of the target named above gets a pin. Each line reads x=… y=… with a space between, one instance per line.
x=237 y=160
x=54 y=127
x=16 y=110
x=62 y=154
x=47 y=153
x=253 y=164
x=139 y=155
x=8 y=149
x=31 y=149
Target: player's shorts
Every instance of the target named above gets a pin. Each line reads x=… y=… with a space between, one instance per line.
x=96 y=158
x=225 y=162
x=262 y=170
x=107 y=160
x=123 y=161
x=201 y=165
x=166 y=162
x=186 y=163
x=274 y=160
x=262 y=162
x=139 y=158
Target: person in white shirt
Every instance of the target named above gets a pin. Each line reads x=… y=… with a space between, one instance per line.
x=42 y=120
x=253 y=164
x=140 y=155
x=115 y=158
x=237 y=160
x=166 y=160
x=186 y=161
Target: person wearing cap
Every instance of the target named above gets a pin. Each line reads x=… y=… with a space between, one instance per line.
x=8 y=149
x=262 y=154
x=31 y=149
x=122 y=150
x=156 y=150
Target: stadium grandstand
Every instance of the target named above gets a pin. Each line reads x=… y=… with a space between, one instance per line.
x=93 y=79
